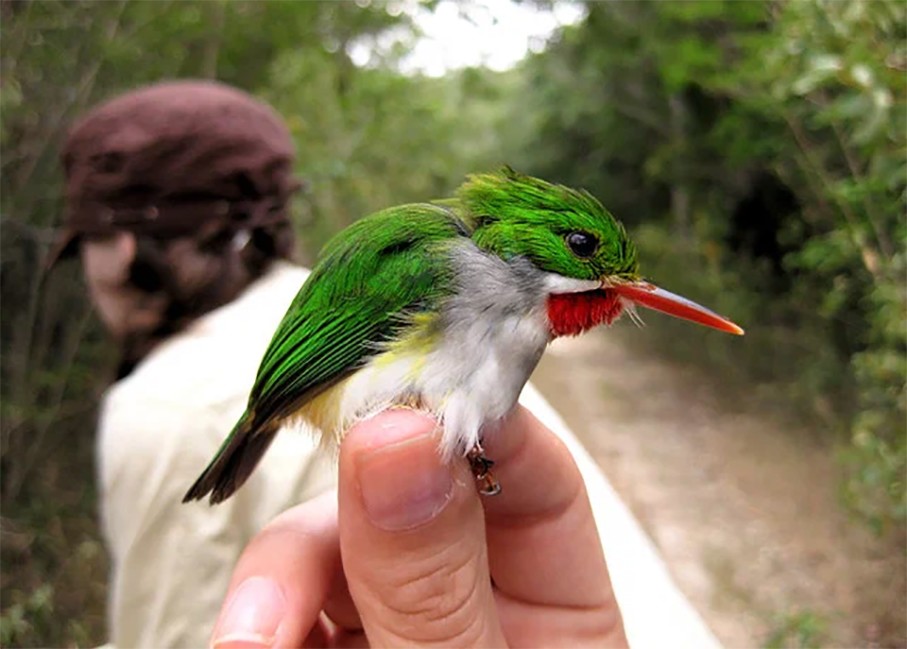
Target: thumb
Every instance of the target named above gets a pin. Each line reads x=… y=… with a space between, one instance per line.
x=412 y=538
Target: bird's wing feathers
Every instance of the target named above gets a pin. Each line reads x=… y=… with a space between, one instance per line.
x=367 y=280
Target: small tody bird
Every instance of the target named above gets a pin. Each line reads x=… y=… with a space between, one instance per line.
x=445 y=307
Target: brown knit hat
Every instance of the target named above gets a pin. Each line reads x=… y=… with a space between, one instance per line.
x=167 y=159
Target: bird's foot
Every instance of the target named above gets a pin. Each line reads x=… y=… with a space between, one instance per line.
x=481 y=470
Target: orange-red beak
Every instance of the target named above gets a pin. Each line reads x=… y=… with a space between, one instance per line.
x=658 y=299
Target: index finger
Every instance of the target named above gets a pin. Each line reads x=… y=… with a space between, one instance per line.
x=282 y=579
x=544 y=551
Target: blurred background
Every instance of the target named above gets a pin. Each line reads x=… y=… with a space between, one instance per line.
x=756 y=150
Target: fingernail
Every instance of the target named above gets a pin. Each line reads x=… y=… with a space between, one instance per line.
x=401 y=477
x=252 y=616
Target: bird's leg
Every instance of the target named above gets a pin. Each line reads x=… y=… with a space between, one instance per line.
x=481 y=470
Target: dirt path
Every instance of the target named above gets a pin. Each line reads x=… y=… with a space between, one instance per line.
x=743 y=508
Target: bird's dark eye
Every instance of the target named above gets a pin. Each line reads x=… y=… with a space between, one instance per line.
x=582 y=244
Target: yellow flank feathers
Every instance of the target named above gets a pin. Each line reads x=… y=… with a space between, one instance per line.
x=418 y=341
x=386 y=380
x=323 y=413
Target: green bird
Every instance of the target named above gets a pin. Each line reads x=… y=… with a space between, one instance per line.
x=446 y=307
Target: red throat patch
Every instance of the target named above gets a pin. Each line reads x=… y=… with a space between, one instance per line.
x=570 y=314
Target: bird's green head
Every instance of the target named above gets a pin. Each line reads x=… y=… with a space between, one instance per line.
x=559 y=229
x=592 y=270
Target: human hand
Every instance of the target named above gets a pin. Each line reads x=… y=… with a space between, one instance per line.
x=425 y=559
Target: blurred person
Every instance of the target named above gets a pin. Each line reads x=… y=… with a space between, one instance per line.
x=177 y=204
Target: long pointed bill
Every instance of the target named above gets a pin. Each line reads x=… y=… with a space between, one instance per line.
x=658 y=299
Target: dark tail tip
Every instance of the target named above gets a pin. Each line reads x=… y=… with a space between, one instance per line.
x=233 y=464
x=201 y=488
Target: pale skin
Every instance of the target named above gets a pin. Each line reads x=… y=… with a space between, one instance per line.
x=123 y=309
x=407 y=553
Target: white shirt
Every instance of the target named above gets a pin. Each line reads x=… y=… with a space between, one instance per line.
x=159 y=428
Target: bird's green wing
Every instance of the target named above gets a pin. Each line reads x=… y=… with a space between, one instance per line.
x=367 y=281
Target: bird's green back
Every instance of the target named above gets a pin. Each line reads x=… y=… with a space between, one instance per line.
x=368 y=282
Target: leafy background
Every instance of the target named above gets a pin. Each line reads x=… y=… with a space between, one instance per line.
x=756 y=149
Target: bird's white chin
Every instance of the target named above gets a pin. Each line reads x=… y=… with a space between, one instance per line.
x=555 y=283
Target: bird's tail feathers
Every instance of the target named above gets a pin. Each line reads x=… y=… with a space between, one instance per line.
x=234 y=462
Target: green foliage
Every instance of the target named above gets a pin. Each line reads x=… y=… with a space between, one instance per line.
x=54 y=566
x=837 y=75
x=20 y=619
x=347 y=121
x=769 y=138
x=803 y=630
